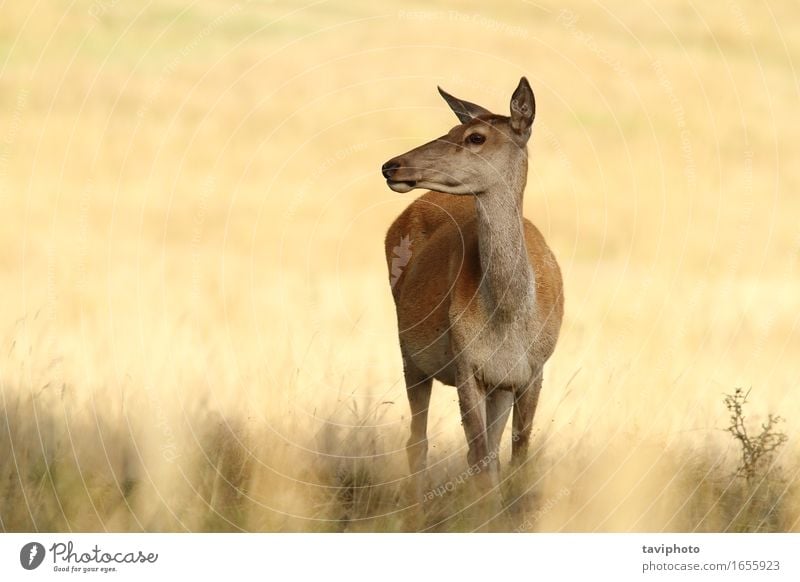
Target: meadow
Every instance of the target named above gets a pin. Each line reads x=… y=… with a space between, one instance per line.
x=197 y=331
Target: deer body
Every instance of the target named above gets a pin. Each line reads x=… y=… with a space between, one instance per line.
x=479 y=302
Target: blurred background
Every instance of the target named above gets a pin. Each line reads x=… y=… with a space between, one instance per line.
x=197 y=331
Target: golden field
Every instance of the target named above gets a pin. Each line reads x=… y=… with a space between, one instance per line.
x=197 y=332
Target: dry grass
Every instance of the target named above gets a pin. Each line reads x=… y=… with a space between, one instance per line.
x=197 y=332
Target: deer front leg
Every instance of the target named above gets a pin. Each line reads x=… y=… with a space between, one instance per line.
x=498 y=407
x=525 y=401
x=487 y=508
x=472 y=402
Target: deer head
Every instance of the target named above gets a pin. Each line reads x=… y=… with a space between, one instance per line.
x=475 y=157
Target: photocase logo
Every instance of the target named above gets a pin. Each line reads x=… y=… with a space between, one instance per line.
x=402 y=254
x=31 y=555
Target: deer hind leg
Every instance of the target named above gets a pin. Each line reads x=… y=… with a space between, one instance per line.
x=525 y=401
x=498 y=407
x=418 y=390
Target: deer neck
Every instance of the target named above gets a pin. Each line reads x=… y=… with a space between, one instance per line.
x=507 y=285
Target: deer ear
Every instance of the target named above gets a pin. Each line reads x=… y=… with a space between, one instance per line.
x=464 y=110
x=523 y=107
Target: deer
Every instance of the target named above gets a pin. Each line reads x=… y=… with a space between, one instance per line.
x=477 y=291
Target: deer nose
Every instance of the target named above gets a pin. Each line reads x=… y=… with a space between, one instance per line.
x=389 y=168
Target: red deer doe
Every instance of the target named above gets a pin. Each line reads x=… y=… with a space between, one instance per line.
x=479 y=299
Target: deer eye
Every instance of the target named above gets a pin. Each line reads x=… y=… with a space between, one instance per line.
x=476 y=138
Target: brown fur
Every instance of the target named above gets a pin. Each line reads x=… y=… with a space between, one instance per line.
x=435 y=222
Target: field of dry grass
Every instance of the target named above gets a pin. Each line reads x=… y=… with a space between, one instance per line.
x=197 y=331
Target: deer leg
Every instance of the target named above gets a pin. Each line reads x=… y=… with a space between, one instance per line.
x=474 y=406
x=498 y=407
x=525 y=401
x=418 y=390
x=472 y=402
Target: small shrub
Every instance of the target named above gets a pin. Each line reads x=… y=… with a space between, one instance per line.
x=759 y=450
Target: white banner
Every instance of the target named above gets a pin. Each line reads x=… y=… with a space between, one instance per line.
x=402 y=557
